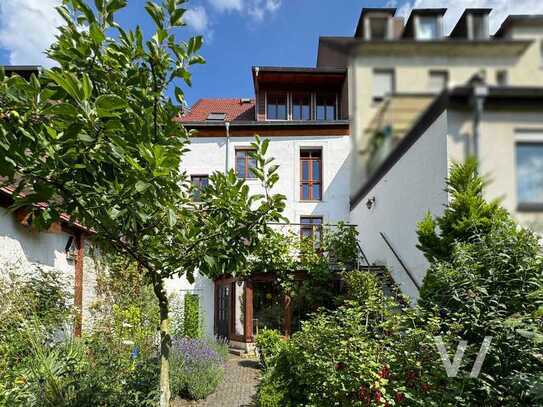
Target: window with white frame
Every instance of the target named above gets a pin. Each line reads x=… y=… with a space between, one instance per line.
x=383 y=84
x=529 y=170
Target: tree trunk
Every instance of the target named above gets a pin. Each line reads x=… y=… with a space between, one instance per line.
x=165 y=343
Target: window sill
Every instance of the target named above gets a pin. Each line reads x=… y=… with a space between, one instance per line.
x=310 y=200
x=530 y=207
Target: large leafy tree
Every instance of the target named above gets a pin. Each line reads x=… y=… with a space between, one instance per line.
x=96 y=137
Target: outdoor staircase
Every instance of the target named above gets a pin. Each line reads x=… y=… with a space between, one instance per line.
x=390 y=288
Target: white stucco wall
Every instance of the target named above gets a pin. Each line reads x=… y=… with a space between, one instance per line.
x=497 y=154
x=23 y=249
x=208 y=154
x=414 y=185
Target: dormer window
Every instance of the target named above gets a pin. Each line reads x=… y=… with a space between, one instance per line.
x=428 y=28
x=378 y=28
x=479 y=27
x=276 y=106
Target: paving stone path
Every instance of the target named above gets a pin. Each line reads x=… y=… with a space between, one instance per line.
x=238 y=389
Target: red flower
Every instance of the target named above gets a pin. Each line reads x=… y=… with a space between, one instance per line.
x=399 y=397
x=363 y=393
x=410 y=378
x=384 y=372
x=340 y=366
x=377 y=396
x=425 y=387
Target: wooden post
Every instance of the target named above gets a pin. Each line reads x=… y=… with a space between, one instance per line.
x=78 y=282
x=248 y=326
x=287 y=317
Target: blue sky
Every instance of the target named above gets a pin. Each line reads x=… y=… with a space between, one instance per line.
x=238 y=33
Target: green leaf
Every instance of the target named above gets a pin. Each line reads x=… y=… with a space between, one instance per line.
x=85 y=137
x=141 y=186
x=109 y=105
x=115 y=5
x=196 y=59
x=63 y=109
x=179 y=95
x=66 y=81
x=96 y=34
x=172 y=217
x=195 y=43
x=156 y=13
x=87 y=86
x=176 y=18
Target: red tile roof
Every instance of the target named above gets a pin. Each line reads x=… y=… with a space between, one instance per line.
x=235 y=110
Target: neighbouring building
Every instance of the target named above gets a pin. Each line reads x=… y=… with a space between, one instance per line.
x=63 y=248
x=420 y=100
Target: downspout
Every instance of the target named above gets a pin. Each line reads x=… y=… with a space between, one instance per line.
x=480 y=92
x=227 y=145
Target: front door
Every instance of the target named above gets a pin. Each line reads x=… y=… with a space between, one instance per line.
x=223 y=310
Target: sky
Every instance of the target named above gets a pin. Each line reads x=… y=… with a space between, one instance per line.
x=238 y=33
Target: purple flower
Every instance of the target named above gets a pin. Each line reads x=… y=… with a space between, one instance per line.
x=195 y=354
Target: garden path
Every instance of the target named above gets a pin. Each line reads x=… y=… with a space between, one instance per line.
x=238 y=389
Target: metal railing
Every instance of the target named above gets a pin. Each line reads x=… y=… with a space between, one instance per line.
x=414 y=281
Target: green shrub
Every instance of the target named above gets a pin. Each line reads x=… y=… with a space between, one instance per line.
x=467 y=215
x=489 y=282
x=368 y=351
x=41 y=365
x=269 y=343
x=191 y=317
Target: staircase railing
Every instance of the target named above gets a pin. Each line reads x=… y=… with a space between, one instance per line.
x=362 y=254
x=412 y=278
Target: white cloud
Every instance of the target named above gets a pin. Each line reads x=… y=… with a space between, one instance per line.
x=27 y=29
x=227 y=5
x=197 y=19
x=256 y=9
x=501 y=9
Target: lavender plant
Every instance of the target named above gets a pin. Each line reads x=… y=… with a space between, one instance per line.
x=197 y=367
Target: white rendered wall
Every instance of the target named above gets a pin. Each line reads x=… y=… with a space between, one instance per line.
x=414 y=185
x=23 y=249
x=208 y=154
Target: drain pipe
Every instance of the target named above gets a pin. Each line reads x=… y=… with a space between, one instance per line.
x=227 y=145
x=480 y=92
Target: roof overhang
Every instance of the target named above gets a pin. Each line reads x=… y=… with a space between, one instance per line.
x=271 y=128
x=272 y=123
x=300 y=76
x=443 y=47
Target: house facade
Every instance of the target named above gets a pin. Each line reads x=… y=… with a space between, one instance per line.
x=302 y=112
